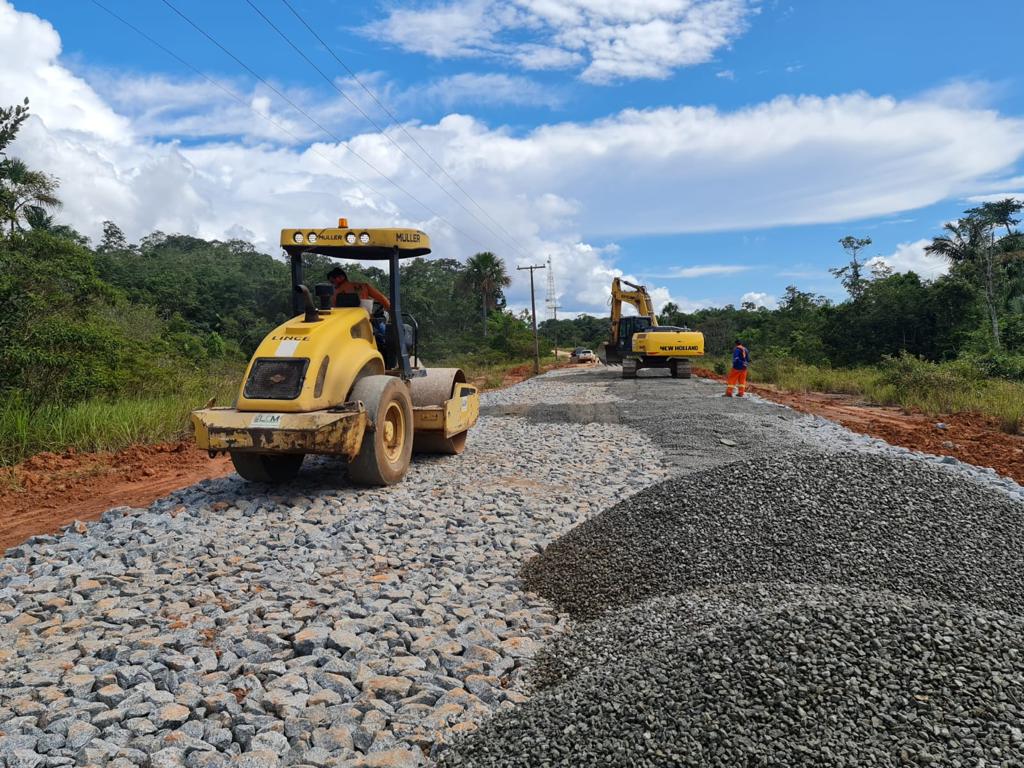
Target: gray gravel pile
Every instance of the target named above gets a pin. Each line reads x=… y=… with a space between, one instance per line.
x=853 y=519
x=316 y=624
x=780 y=675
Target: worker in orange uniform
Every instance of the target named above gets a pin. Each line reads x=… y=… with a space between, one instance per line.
x=738 y=374
x=339 y=278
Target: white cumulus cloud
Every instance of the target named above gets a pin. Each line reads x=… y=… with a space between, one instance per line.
x=759 y=299
x=610 y=40
x=911 y=257
x=566 y=189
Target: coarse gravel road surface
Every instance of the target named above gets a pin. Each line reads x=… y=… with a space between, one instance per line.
x=615 y=573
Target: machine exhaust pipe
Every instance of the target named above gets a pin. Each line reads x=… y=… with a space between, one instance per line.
x=312 y=315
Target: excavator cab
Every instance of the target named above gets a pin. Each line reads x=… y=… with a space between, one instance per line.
x=628 y=327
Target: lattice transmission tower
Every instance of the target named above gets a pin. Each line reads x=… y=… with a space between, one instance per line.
x=552 y=299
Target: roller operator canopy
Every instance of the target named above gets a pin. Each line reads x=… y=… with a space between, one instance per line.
x=349 y=243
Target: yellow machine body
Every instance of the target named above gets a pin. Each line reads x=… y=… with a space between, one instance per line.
x=662 y=342
x=338 y=431
x=339 y=346
x=299 y=393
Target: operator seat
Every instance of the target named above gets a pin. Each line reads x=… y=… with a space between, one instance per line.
x=347 y=299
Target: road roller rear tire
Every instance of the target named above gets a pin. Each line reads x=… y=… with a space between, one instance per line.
x=271 y=468
x=384 y=456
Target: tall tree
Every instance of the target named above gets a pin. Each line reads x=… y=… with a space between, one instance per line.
x=971 y=241
x=486 y=275
x=22 y=190
x=961 y=242
x=852 y=274
x=113 y=239
x=999 y=213
x=11 y=119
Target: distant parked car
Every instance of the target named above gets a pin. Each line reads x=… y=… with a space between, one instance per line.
x=583 y=355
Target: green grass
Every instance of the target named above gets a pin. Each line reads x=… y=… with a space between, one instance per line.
x=106 y=425
x=916 y=385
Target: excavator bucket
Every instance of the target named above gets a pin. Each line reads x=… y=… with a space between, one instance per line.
x=608 y=355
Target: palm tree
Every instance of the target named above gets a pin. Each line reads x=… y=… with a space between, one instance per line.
x=37 y=217
x=962 y=243
x=22 y=190
x=485 y=274
x=969 y=242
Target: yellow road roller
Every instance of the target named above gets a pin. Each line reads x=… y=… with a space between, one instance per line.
x=342 y=377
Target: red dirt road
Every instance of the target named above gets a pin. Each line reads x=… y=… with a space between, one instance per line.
x=48 y=491
x=967 y=437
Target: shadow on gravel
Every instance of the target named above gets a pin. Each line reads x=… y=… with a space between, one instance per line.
x=558 y=413
x=319 y=474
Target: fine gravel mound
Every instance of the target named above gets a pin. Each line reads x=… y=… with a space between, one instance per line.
x=780 y=675
x=852 y=519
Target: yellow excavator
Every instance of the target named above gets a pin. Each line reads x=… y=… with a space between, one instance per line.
x=325 y=382
x=639 y=342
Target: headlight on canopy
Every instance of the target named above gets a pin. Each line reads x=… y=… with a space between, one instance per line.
x=350 y=238
x=364 y=238
x=297 y=237
x=311 y=238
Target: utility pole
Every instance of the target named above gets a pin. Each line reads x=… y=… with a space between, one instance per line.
x=533 y=306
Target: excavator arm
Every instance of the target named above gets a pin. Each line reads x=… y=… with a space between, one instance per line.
x=638 y=297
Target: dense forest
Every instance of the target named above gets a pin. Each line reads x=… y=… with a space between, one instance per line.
x=83 y=321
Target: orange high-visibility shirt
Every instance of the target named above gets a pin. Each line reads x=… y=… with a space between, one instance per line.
x=364 y=291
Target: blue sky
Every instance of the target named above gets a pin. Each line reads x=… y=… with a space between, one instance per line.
x=715 y=149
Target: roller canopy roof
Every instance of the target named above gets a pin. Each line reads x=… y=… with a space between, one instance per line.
x=353 y=243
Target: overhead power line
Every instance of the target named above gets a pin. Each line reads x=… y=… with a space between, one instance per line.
x=235 y=97
x=327 y=131
x=395 y=121
x=380 y=129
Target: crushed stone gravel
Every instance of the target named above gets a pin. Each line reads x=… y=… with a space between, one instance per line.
x=796 y=595
x=314 y=624
x=779 y=675
x=855 y=519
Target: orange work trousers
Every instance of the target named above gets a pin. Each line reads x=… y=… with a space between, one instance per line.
x=736 y=378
